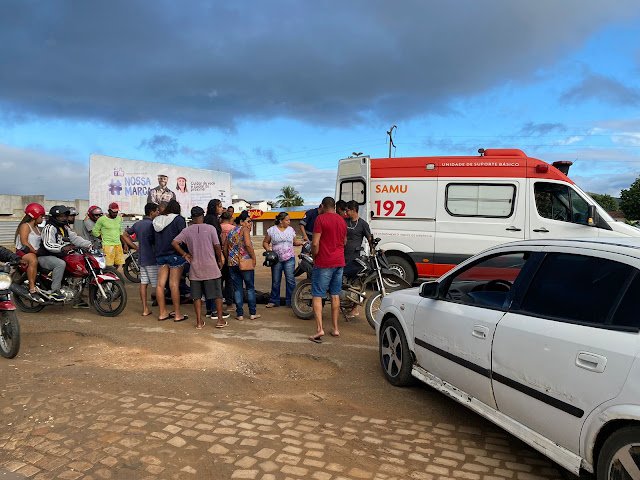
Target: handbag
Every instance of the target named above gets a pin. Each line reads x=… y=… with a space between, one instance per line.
x=245 y=264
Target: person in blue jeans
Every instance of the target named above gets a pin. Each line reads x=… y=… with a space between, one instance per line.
x=240 y=247
x=280 y=239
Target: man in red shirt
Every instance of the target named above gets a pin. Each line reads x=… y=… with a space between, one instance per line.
x=327 y=248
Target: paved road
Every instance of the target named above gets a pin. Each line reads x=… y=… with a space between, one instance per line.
x=131 y=398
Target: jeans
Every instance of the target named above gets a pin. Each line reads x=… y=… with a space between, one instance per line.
x=323 y=279
x=288 y=266
x=238 y=277
x=227 y=290
x=57 y=265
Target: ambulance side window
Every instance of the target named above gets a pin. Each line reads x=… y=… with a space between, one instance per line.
x=480 y=200
x=352 y=190
x=560 y=202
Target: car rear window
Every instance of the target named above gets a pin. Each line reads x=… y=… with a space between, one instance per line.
x=576 y=288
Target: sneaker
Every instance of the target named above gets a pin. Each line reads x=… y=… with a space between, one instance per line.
x=57 y=296
x=208 y=314
x=81 y=304
x=224 y=315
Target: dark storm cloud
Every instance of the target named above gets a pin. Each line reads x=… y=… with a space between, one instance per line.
x=163 y=146
x=605 y=89
x=194 y=64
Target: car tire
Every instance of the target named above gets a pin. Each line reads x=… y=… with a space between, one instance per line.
x=402 y=268
x=621 y=447
x=395 y=357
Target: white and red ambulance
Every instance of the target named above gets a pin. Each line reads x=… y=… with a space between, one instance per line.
x=434 y=212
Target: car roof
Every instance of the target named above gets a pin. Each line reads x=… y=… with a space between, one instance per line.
x=625 y=245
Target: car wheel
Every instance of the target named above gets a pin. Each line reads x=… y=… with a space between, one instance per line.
x=619 y=457
x=395 y=356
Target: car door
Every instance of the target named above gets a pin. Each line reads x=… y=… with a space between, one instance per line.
x=556 y=210
x=453 y=333
x=556 y=354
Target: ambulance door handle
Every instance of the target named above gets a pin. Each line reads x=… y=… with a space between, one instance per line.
x=541 y=230
x=514 y=229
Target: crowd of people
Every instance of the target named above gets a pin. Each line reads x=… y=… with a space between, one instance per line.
x=216 y=249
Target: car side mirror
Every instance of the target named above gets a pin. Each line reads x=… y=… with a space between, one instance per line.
x=429 y=289
x=594 y=218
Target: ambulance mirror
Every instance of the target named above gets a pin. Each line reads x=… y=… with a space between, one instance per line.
x=593 y=216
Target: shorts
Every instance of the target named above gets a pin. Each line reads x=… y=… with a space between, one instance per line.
x=149 y=275
x=172 y=260
x=113 y=255
x=323 y=278
x=212 y=288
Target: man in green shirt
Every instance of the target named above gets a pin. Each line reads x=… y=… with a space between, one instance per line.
x=109 y=229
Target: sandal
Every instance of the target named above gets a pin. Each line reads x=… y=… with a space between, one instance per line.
x=272 y=305
x=184 y=317
x=200 y=327
x=254 y=317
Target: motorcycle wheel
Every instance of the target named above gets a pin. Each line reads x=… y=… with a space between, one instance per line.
x=372 y=305
x=302 y=301
x=116 y=295
x=9 y=334
x=24 y=304
x=131 y=270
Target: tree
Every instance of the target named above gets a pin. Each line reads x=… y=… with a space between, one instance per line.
x=289 y=197
x=630 y=201
x=606 y=201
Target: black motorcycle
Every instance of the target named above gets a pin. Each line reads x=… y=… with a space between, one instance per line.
x=368 y=271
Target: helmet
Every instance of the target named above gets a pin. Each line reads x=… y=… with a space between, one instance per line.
x=55 y=212
x=71 y=218
x=94 y=212
x=271 y=258
x=34 y=210
x=306 y=248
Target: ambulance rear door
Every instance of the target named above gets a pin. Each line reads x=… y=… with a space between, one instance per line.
x=353 y=181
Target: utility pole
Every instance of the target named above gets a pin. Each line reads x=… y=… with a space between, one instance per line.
x=391 y=144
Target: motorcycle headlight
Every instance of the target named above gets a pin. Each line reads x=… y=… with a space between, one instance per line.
x=102 y=262
x=5 y=281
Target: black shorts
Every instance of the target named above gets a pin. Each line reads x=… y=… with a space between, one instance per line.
x=212 y=288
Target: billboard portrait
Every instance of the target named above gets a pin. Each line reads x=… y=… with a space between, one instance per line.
x=133 y=183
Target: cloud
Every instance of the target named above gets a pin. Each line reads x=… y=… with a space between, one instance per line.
x=535 y=129
x=198 y=64
x=606 y=183
x=30 y=172
x=163 y=146
x=604 y=89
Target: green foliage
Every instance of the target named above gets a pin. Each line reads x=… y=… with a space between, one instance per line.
x=630 y=201
x=606 y=201
x=289 y=197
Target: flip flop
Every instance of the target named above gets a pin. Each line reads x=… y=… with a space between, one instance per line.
x=316 y=339
x=147 y=314
x=240 y=318
x=334 y=334
x=272 y=305
x=254 y=317
x=185 y=317
x=225 y=324
x=164 y=318
x=200 y=328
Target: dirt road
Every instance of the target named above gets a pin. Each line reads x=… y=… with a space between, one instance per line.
x=129 y=397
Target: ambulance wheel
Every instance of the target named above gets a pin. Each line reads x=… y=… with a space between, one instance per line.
x=401 y=267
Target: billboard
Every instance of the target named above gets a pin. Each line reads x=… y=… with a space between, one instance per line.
x=132 y=183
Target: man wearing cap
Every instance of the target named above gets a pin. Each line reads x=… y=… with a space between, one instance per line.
x=57 y=240
x=161 y=193
x=109 y=229
x=205 y=259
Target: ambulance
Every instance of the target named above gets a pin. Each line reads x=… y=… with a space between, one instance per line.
x=434 y=212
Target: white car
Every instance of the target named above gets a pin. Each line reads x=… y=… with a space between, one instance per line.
x=541 y=337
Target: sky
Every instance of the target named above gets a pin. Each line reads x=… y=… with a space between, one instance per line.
x=277 y=92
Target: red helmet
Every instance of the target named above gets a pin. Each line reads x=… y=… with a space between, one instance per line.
x=94 y=212
x=34 y=210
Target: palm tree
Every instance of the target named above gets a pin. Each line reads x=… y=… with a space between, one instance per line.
x=289 y=197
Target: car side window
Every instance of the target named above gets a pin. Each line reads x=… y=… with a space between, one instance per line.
x=487 y=283
x=560 y=202
x=627 y=312
x=576 y=288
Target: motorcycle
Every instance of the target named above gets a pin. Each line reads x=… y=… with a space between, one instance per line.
x=107 y=294
x=373 y=270
x=132 y=267
x=9 y=325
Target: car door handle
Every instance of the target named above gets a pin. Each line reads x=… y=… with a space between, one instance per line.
x=591 y=361
x=480 y=331
x=513 y=229
x=541 y=230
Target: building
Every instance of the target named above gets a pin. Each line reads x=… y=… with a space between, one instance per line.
x=240 y=204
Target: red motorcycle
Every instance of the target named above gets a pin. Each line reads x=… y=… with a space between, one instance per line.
x=9 y=325
x=106 y=292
